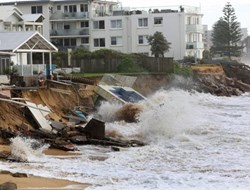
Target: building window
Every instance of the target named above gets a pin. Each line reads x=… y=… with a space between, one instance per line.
x=36 y=9
x=143 y=22
x=99 y=42
x=197 y=21
x=158 y=20
x=66 y=42
x=117 y=40
x=116 y=23
x=143 y=39
x=84 y=24
x=85 y=40
x=188 y=20
x=70 y=9
x=66 y=27
x=69 y=42
x=58 y=7
x=100 y=24
x=84 y=8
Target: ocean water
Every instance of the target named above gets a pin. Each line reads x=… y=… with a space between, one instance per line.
x=194 y=141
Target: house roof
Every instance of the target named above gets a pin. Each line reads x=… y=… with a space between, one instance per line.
x=28 y=41
x=7 y=11
x=6 y=53
x=32 y=17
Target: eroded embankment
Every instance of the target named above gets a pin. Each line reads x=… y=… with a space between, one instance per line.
x=61 y=98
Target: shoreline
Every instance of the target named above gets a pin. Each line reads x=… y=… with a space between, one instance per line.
x=35 y=182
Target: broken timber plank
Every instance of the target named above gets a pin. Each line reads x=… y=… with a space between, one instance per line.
x=23 y=104
x=38 y=116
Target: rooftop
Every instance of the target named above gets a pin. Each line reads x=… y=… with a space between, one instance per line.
x=25 y=42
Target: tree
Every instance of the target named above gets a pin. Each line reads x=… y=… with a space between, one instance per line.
x=159 y=44
x=60 y=58
x=227 y=34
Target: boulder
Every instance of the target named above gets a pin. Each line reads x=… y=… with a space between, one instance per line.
x=19 y=174
x=8 y=186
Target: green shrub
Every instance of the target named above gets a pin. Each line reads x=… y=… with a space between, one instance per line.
x=128 y=64
x=106 y=54
x=182 y=70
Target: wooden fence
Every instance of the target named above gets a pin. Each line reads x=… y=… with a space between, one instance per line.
x=151 y=64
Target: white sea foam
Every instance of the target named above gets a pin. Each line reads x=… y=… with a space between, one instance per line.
x=26 y=149
x=106 y=111
x=195 y=141
x=170 y=114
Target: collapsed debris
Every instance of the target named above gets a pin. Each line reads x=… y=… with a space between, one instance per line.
x=58 y=123
x=114 y=88
x=57 y=112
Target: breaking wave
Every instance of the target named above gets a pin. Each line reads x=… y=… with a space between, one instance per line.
x=170 y=114
x=106 y=111
x=26 y=149
x=195 y=141
x=110 y=112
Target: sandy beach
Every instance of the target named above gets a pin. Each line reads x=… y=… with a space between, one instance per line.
x=33 y=182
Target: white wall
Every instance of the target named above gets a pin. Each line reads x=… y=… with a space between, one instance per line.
x=26 y=9
x=20 y=58
x=173 y=28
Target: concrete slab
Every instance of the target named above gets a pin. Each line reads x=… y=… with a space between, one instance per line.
x=4 y=79
x=119 y=94
x=118 y=80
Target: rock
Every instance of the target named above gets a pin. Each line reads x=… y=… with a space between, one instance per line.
x=4 y=155
x=19 y=175
x=5 y=172
x=220 y=86
x=116 y=149
x=8 y=186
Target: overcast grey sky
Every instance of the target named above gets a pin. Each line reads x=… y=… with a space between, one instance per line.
x=212 y=9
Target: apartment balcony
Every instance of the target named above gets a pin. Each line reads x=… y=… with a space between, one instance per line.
x=101 y=13
x=65 y=48
x=194 y=28
x=59 y=16
x=194 y=45
x=86 y=46
x=69 y=33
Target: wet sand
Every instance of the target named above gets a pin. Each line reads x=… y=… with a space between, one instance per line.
x=33 y=182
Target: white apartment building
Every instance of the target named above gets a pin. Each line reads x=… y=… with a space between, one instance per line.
x=13 y=20
x=96 y=24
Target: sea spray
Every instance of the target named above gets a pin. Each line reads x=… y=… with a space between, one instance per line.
x=169 y=114
x=26 y=149
x=112 y=111
x=106 y=111
x=210 y=152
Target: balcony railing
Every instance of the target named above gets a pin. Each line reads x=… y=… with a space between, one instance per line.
x=65 y=48
x=69 y=32
x=194 y=28
x=194 y=45
x=69 y=16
